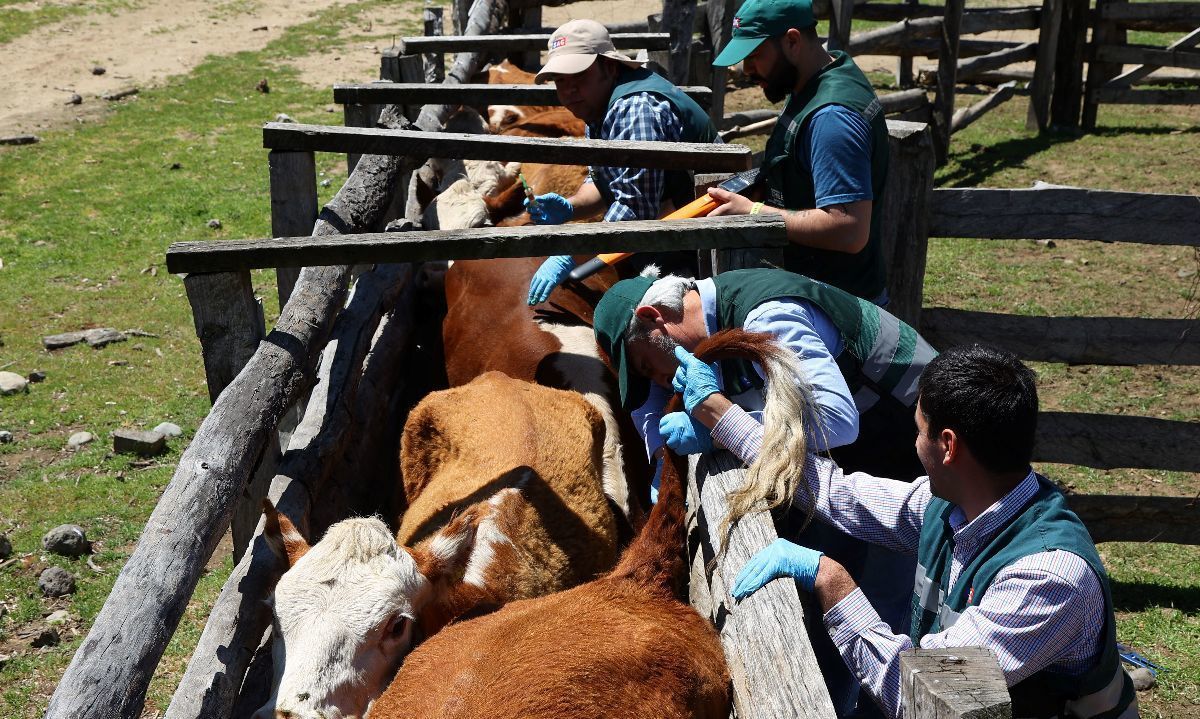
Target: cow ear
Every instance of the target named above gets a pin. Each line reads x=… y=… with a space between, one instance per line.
x=424 y=192
x=282 y=536
x=445 y=556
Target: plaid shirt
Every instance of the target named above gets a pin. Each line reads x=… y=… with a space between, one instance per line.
x=1043 y=611
x=637 y=192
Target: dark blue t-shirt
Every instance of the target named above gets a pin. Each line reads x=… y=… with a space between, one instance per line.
x=836 y=150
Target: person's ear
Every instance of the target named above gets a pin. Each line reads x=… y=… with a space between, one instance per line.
x=650 y=315
x=950 y=445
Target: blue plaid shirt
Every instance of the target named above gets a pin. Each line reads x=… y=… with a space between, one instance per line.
x=637 y=191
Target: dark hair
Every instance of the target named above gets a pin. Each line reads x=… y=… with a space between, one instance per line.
x=989 y=398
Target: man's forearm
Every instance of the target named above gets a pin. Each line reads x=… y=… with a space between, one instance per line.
x=586 y=202
x=839 y=228
x=833 y=584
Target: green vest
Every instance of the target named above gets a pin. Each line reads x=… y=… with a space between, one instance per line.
x=697 y=127
x=790 y=185
x=1045 y=524
x=883 y=357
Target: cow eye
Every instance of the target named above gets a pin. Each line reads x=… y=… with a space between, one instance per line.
x=400 y=625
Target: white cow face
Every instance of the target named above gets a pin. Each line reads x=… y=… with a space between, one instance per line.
x=344 y=613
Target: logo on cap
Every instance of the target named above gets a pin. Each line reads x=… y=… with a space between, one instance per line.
x=558 y=42
x=737 y=22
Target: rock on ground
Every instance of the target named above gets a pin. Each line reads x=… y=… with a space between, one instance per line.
x=168 y=429
x=12 y=383
x=56 y=582
x=6 y=437
x=68 y=540
x=5 y=547
x=48 y=637
x=1143 y=678
x=79 y=439
x=61 y=616
x=133 y=441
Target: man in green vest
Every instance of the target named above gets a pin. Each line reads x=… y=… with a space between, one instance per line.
x=1001 y=561
x=617 y=99
x=826 y=161
x=860 y=362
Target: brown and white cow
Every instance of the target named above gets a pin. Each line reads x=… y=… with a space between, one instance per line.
x=502 y=480
x=503 y=116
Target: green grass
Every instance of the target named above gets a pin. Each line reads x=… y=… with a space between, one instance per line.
x=84 y=216
x=28 y=16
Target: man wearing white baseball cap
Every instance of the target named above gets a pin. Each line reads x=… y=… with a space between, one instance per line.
x=617 y=99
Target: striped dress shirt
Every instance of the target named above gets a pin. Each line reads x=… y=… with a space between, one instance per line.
x=1044 y=611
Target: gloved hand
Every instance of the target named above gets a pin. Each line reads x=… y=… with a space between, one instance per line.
x=694 y=379
x=550 y=275
x=549 y=209
x=683 y=434
x=780 y=558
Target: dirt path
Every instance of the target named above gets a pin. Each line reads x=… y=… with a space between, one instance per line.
x=138 y=48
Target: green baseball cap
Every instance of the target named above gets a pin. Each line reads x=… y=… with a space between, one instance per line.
x=610 y=321
x=758 y=20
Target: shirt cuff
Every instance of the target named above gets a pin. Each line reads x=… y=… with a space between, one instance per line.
x=740 y=433
x=850 y=618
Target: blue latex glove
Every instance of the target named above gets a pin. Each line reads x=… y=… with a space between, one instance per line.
x=683 y=434
x=694 y=379
x=781 y=558
x=549 y=209
x=550 y=275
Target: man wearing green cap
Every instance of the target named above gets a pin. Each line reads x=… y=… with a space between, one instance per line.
x=860 y=362
x=617 y=99
x=826 y=161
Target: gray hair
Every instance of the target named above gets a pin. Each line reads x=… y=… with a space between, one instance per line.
x=666 y=292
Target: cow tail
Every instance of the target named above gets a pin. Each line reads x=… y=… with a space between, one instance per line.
x=655 y=556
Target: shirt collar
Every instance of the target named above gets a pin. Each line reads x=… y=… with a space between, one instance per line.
x=994 y=517
x=708 y=302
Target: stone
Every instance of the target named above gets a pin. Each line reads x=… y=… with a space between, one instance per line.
x=97 y=70
x=263 y=86
x=62 y=616
x=1143 y=678
x=214 y=224
x=66 y=339
x=76 y=99
x=168 y=429
x=56 y=582
x=37 y=376
x=283 y=117
x=134 y=441
x=48 y=637
x=79 y=439
x=12 y=383
x=102 y=336
x=5 y=547
x=68 y=540
x=6 y=437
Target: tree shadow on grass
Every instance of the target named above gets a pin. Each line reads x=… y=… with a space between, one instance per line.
x=1139 y=596
x=977 y=162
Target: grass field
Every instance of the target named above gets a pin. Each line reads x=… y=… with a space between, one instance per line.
x=86 y=215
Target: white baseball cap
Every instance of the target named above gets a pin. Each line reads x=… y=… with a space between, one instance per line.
x=575 y=46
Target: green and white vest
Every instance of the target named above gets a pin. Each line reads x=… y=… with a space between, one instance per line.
x=697 y=127
x=1045 y=524
x=883 y=357
x=790 y=185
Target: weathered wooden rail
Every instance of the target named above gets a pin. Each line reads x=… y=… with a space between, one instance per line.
x=414 y=93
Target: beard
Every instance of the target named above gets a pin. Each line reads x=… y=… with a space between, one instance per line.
x=779 y=82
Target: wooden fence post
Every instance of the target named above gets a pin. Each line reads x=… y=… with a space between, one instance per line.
x=1104 y=32
x=435 y=62
x=677 y=19
x=1042 y=86
x=229 y=322
x=1068 y=70
x=905 y=216
x=943 y=103
x=840 y=15
x=720 y=19
x=293 y=178
x=904 y=63
x=953 y=684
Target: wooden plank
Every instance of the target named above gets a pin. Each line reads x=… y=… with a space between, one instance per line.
x=770 y=657
x=1120 y=96
x=412 y=71
x=482 y=243
x=943 y=101
x=1158 y=16
x=928 y=47
x=1075 y=340
x=1041 y=90
x=840 y=20
x=953 y=684
x=1126 y=79
x=229 y=322
x=293 y=178
x=719 y=18
x=355 y=115
x=472 y=94
x=904 y=100
x=1099 y=73
x=236 y=622
x=562 y=151
x=1067 y=97
x=677 y=20
x=969 y=69
x=904 y=64
x=968 y=115
x=1156 y=56
x=1108 y=441
x=434 y=62
x=521 y=43
x=1129 y=518
x=1063 y=213
x=904 y=221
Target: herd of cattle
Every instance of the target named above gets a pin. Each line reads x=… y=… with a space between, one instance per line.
x=505 y=591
